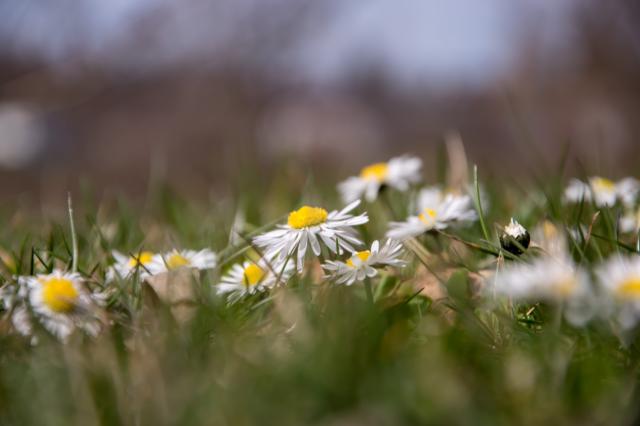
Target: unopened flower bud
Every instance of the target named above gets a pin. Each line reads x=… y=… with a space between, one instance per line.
x=515 y=238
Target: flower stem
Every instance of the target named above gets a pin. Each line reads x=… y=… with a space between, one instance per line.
x=74 y=237
x=479 y=203
x=368 y=290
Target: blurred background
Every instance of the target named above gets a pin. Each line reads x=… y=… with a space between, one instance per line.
x=199 y=92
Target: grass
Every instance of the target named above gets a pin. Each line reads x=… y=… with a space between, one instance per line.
x=385 y=353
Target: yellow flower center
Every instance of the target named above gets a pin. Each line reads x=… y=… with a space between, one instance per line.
x=177 y=260
x=427 y=216
x=142 y=259
x=307 y=216
x=59 y=294
x=549 y=230
x=362 y=255
x=603 y=184
x=630 y=288
x=566 y=288
x=253 y=274
x=377 y=172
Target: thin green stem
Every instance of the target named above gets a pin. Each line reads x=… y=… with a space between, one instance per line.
x=479 y=203
x=74 y=237
x=368 y=290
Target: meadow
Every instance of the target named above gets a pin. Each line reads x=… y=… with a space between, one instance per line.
x=286 y=312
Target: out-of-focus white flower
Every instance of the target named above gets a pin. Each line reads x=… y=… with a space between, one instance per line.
x=619 y=278
x=604 y=192
x=630 y=222
x=627 y=190
x=435 y=212
x=252 y=277
x=576 y=191
x=308 y=226
x=548 y=237
x=14 y=298
x=553 y=280
x=399 y=173
x=363 y=264
x=126 y=266
x=62 y=304
x=175 y=259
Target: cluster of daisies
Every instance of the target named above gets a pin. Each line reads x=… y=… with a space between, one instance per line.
x=603 y=192
x=609 y=290
x=62 y=302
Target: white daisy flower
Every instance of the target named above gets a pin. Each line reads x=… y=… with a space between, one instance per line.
x=62 y=303
x=576 y=191
x=126 y=266
x=14 y=292
x=628 y=190
x=551 y=239
x=362 y=263
x=14 y=298
x=554 y=280
x=399 y=173
x=630 y=222
x=308 y=226
x=21 y=320
x=436 y=211
x=604 y=192
x=175 y=259
x=252 y=277
x=620 y=280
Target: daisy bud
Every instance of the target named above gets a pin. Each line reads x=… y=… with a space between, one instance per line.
x=512 y=234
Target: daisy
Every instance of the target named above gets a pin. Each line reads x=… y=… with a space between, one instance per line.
x=630 y=222
x=628 y=190
x=362 y=264
x=252 y=277
x=62 y=304
x=126 y=266
x=436 y=211
x=13 y=298
x=398 y=173
x=620 y=280
x=552 y=240
x=548 y=279
x=306 y=227
x=175 y=259
x=604 y=192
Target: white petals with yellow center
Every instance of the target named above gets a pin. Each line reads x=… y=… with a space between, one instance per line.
x=62 y=303
x=602 y=191
x=619 y=279
x=398 y=173
x=128 y=265
x=363 y=264
x=548 y=279
x=177 y=259
x=252 y=277
x=309 y=226
x=436 y=211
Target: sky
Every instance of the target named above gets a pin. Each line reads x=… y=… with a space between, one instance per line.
x=440 y=42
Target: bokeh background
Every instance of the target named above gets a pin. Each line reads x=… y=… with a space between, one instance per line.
x=198 y=92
